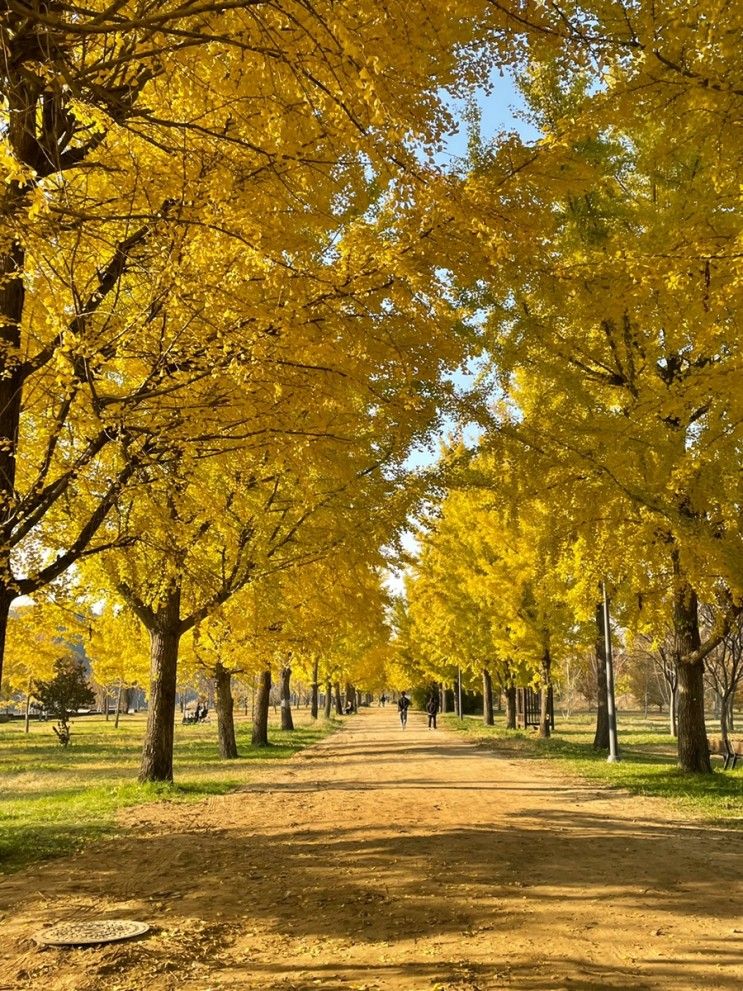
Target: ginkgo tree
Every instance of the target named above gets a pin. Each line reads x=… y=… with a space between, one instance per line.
x=189 y=153
x=36 y=635
x=117 y=650
x=489 y=591
x=606 y=255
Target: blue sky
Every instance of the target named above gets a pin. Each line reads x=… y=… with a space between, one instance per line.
x=499 y=112
x=499 y=109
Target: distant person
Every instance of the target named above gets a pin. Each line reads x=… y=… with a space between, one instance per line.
x=382 y=699
x=197 y=714
x=432 y=707
x=402 y=707
x=349 y=707
x=204 y=712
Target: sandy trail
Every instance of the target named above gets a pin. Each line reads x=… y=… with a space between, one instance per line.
x=394 y=861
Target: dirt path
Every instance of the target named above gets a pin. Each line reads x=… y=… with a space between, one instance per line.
x=394 y=861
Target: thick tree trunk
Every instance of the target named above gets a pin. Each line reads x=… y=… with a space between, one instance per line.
x=6 y=600
x=260 y=710
x=338 y=699
x=442 y=699
x=601 y=738
x=544 y=711
x=673 y=710
x=12 y=300
x=510 y=707
x=286 y=702
x=157 y=752
x=456 y=700
x=328 y=698
x=693 y=748
x=314 y=701
x=487 y=698
x=225 y=707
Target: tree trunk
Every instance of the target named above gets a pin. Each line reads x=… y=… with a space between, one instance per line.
x=351 y=696
x=487 y=698
x=725 y=710
x=544 y=711
x=157 y=752
x=442 y=699
x=27 y=718
x=456 y=700
x=338 y=699
x=693 y=748
x=510 y=707
x=328 y=698
x=12 y=301
x=260 y=710
x=224 y=704
x=286 y=703
x=314 y=701
x=673 y=709
x=118 y=704
x=6 y=597
x=601 y=737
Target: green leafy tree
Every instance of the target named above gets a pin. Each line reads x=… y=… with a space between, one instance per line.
x=64 y=694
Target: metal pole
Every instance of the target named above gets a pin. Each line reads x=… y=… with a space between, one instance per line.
x=610 y=703
x=459 y=691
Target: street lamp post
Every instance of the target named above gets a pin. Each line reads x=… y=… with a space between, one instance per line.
x=610 y=701
x=459 y=692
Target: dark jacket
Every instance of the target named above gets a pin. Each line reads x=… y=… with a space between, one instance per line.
x=432 y=706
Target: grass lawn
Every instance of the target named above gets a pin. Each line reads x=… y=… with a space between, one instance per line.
x=53 y=800
x=647 y=766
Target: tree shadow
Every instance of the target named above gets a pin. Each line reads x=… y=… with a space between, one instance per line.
x=374 y=887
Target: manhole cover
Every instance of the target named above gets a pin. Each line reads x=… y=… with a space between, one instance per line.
x=87 y=933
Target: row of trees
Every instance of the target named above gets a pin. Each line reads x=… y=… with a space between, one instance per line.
x=222 y=323
x=234 y=285
x=606 y=263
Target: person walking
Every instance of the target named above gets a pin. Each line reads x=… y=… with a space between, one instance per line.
x=402 y=708
x=432 y=707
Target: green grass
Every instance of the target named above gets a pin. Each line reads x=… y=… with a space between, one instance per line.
x=53 y=800
x=647 y=766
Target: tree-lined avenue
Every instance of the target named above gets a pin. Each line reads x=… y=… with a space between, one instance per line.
x=390 y=860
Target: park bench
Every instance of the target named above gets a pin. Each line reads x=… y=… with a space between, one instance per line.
x=731 y=754
x=731 y=751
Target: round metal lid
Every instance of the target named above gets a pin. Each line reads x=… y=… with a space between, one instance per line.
x=90 y=932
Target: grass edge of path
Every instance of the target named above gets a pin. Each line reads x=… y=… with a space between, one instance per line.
x=60 y=809
x=715 y=799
